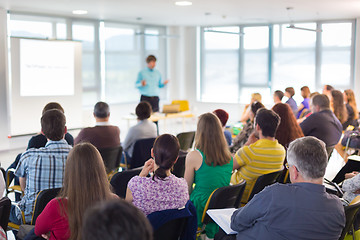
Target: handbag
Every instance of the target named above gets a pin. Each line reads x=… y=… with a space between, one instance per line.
x=351 y=139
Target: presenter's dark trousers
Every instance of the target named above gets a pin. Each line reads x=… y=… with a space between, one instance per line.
x=154 y=102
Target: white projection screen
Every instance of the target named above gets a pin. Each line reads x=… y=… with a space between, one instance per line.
x=44 y=71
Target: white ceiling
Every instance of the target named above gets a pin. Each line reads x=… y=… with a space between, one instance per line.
x=222 y=12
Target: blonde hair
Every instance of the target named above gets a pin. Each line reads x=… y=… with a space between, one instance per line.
x=256 y=97
x=210 y=139
x=85 y=184
x=350 y=96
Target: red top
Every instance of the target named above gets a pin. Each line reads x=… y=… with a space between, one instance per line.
x=52 y=220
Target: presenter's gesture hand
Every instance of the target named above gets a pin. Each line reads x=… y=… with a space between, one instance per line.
x=166 y=82
x=148 y=167
x=143 y=83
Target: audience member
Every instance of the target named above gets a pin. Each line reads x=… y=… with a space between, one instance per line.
x=42 y=168
x=143 y=129
x=164 y=190
x=85 y=184
x=103 y=135
x=264 y=156
x=348 y=168
x=245 y=116
x=338 y=107
x=304 y=105
x=322 y=124
x=278 y=96
x=116 y=220
x=351 y=186
x=248 y=128
x=39 y=141
x=327 y=90
x=209 y=166
x=289 y=129
x=350 y=104
x=289 y=93
x=223 y=117
x=301 y=210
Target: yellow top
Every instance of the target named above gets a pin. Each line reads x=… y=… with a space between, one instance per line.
x=262 y=157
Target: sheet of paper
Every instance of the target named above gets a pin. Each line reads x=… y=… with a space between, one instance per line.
x=222 y=217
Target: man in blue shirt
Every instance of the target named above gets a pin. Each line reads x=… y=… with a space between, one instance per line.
x=301 y=210
x=42 y=168
x=149 y=83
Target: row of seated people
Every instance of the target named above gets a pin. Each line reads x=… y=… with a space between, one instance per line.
x=210 y=163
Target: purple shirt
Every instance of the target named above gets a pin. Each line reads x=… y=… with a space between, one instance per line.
x=151 y=196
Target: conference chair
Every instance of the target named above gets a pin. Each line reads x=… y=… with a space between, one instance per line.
x=111 y=157
x=10 y=173
x=263 y=181
x=42 y=199
x=174 y=224
x=179 y=167
x=5 y=206
x=186 y=140
x=224 y=197
x=350 y=213
x=120 y=180
x=142 y=152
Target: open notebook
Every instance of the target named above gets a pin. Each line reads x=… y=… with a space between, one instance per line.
x=222 y=217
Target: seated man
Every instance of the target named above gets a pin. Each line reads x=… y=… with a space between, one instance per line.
x=145 y=128
x=42 y=168
x=278 y=96
x=323 y=123
x=301 y=210
x=103 y=135
x=264 y=156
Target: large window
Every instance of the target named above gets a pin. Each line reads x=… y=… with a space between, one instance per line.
x=266 y=58
x=112 y=53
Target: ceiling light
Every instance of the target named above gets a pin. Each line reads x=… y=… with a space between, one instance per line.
x=79 y=12
x=183 y=3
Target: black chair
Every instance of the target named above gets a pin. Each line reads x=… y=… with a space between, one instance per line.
x=5 y=206
x=186 y=140
x=179 y=167
x=224 y=197
x=42 y=199
x=263 y=181
x=171 y=230
x=111 y=157
x=350 y=214
x=142 y=152
x=120 y=180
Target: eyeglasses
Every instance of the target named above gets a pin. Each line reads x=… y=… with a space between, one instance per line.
x=287 y=166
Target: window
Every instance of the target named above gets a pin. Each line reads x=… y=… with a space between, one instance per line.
x=267 y=58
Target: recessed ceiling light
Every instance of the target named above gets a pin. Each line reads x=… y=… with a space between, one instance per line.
x=79 y=12
x=183 y=3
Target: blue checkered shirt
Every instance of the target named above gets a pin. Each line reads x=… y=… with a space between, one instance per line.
x=43 y=168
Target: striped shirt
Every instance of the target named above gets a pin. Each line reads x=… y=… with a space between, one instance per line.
x=42 y=168
x=262 y=157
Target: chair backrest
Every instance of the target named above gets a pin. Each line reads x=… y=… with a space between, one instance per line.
x=5 y=206
x=179 y=167
x=350 y=214
x=42 y=199
x=120 y=180
x=263 y=181
x=186 y=140
x=224 y=197
x=111 y=157
x=171 y=230
x=142 y=152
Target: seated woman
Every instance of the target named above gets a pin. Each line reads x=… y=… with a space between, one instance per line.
x=247 y=130
x=338 y=107
x=223 y=117
x=351 y=186
x=209 y=166
x=350 y=104
x=288 y=129
x=255 y=97
x=163 y=190
x=85 y=184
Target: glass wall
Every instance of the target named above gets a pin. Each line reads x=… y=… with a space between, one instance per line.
x=267 y=58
